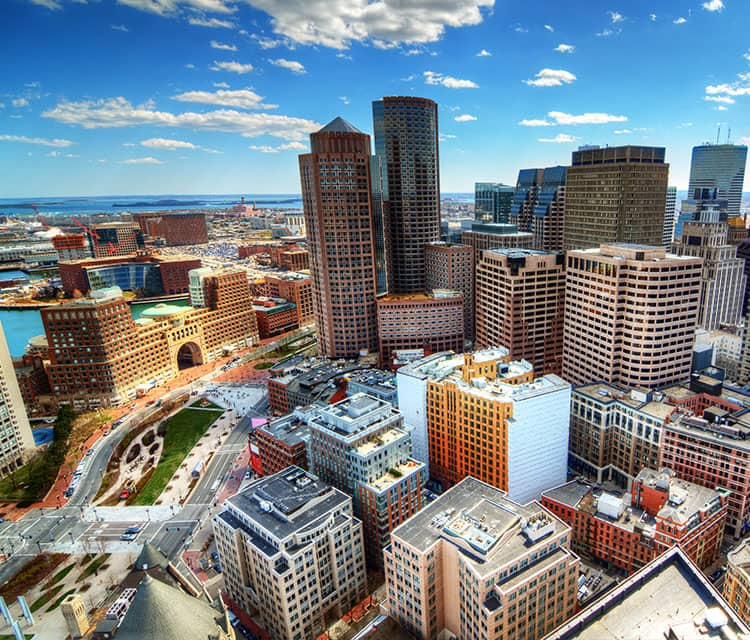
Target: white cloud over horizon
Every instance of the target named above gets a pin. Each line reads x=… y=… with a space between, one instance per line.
x=434 y=78
x=551 y=78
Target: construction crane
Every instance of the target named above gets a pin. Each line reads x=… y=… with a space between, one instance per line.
x=91 y=233
x=40 y=218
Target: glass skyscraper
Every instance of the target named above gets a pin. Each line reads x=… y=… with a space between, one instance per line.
x=720 y=167
x=406 y=141
x=492 y=201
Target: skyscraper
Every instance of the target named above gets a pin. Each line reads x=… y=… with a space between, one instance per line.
x=406 y=140
x=720 y=167
x=492 y=201
x=630 y=315
x=451 y=266
x=15 y=431
x=337 y=201
x=670 y=217
x=525 y=197
x=615 y=194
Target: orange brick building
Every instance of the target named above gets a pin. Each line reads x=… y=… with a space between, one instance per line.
x=283 y=443
x=296 y=288
x=275 y=316
x=175 y=229
x=631 y=530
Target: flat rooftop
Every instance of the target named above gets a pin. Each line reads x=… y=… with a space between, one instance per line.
x=290 y=429
x=481 y=521
x=286 y=502
x=669 y=594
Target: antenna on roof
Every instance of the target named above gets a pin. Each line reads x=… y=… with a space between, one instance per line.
x=729 y=135
x=718 y=133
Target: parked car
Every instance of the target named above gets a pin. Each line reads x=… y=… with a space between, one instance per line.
x=125 y=495
x=133 y=530
x=217 y=567
x=214 y=556
x=128 y=537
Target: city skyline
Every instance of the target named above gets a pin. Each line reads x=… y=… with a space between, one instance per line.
x=228 y=106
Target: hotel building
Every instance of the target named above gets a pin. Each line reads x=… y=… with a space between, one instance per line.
x=475 y=564
x=291 y=550
x=630 y=315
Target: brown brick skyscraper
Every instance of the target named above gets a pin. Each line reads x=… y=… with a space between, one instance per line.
x=615 y=194
x=336 y=196
x=406 y=141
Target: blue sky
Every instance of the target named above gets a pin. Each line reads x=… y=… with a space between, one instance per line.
x=218 y=96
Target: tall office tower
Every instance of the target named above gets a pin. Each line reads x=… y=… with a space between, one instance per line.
x=451 y=266
x=723 y=280
x=291 y=551
x=337 y=201
x=475 y=564
x=548 y=219
x=615 y=194
x=630 y=315
x=492 y=201
x=379 y=211
x=670 y=217
x=720 y=167
x=360 y=445
x=406 y=140
x=18 y=441
x=520 y=302
x=525 y=198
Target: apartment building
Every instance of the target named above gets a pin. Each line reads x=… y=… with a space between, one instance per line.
x=360 y=445
x=475 y=564
x=520 y=297
x=630 y=315
x=282 y=442
x=291 y=550
x=629 y=530
x=451 y=266
x=736 y=587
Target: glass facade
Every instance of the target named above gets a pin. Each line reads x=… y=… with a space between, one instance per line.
x=132 y=276
x=720 y=167
x=492 y=201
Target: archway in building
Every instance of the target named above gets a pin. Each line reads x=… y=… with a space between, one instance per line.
x=189 y=355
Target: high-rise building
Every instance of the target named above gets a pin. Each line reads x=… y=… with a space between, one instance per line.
x=706 y=208
x=719 y=167
x=476 y=564
x=723 y=279
x=670 y=217
x=525 y=198
x=628 y=531
x=495 y=236
x=116 y=239
x=18 y=441
x=337 y=201
x=424 y=323
x=360 y=445
x=406 y=141
x=539 y=206
x=615 y=194
x=520 y=303
x=492 y=201
x=291 y=549
x=630 y=315
x=451 y=266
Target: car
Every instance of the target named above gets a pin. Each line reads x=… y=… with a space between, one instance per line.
x=128 y=537
x=89 y=452
x=133 y=530
x=214 y=556
x=248 y=475
x=217 y=567
x=69 y=491
x=717 y=574
x=133 y=406
x=124 y=495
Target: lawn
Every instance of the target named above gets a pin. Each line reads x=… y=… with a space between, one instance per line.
x=31 y=574
x=42 y=600
x=94 y=566
x=59 y=576
x=183 y=430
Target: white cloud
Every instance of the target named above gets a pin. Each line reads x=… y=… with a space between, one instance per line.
x=442 y=137
x=190 y=65
x=292 y=65
x=170 y=7
x=679 y=20
x=232 y=66
x=45 y=142
x=652 y=17
x=616 y=16
x=166 y=144
x=565 y=48
x=606 y=33
x=738 y=88
x=484 y=54
x=119 y=112
x=551 y=78
x=48 y=4
x=338 y=23
x=119 y=27
x=431 y=77
x=343 y=56
x=721 y=107
x=409 y=78
x=713 y=5
x=684 y=125
x=622 y=132
x=344 y=99
x=59 y=154
x=724 y=99
x=267 y=43
x=559 y=117
x=2 y=105
x=221 y=85
x=745 y=140
x=20 y=102
x=414 y=52
x=549 y=27
x=295 y=146
x=519 y=28
x=465 y=118
x=560 y=138
x=222 y=46
x=212 y=23
x=147 y=160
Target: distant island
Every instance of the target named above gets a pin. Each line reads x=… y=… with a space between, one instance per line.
x=158 y=203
